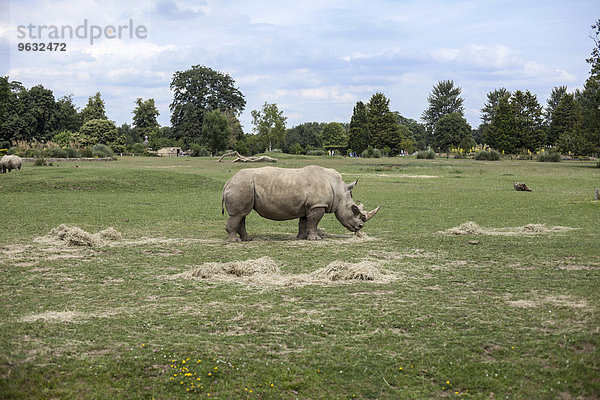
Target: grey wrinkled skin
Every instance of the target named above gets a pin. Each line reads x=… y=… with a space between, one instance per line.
x=282 y=194
x=10 y=162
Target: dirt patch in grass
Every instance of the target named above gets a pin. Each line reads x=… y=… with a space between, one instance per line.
x=264 y=271
x=67 y=316
x=472 y=228
x=576 y=267
x=558 y=301
x=77 y=237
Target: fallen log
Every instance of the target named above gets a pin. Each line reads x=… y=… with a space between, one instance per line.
x=241 y=158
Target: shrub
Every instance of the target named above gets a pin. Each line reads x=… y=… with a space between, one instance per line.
x=137 y=148
x=485 y=155
x=70 y=152
x=197 y=150
x=296 y=148
x=101 y=151
x=494 y=155
x=370 y=152
x=41 y=162
x=86 y=152
x=548 y=157
x=241 y=147
x=316 y=152
x=15 y=150
x=55 y=152
x=428 y=155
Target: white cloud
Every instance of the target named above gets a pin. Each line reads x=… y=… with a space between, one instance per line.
x=137 y=51
x=498 y=56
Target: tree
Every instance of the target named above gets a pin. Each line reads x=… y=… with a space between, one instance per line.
x=488 y=110
x=416 y=133
x=334 y=136
x=382 y=125
x=443 y=99
x=566 y=125
x=589 y=98
x=215 y=131
x=450 y=131
x=516 y=124
x=551 y=104
x=199 y=90
x=235 y=127
x=358 y=136
x=269 y=125
x=101 y=131
x=501 y=131
x=145 y=114
x=529 y=120
x=94 y=108
x=144 y=121
x=68 y=117
x=308 y=135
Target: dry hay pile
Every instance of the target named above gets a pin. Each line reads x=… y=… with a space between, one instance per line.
x=362 y=271
x=471 y=228
x=265 y=272
x=77 y=237
x=262 y=266
x=468 y=228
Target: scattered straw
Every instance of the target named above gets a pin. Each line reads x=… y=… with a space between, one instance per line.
x=468 y=228
x=262 y=266
x=265 y=272
x=471 y=228
x=77 y=237
x=67 y=316
x=362 y=271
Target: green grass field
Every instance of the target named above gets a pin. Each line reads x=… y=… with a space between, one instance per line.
x=515 y=315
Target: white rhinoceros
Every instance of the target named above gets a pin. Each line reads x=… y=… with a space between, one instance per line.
x=282 y=194
x=10 y=162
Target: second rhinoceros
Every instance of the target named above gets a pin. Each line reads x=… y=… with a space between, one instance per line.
x=282 y=194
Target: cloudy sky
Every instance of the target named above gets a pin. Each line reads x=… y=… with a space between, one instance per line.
x=315 y=59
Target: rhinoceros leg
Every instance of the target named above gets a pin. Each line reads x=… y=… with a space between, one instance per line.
x=302 y=234
x=242 y=230
x=232 y=227
x=312 y=220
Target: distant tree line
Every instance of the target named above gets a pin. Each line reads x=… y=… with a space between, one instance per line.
x=206 y=107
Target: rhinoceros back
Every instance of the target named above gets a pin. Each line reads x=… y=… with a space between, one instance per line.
x=280 y=193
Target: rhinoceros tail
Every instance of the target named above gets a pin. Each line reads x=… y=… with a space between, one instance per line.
x=222 y=208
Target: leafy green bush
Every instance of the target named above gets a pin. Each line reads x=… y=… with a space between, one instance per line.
x=101 y=151
x=296 y=148
x=371 y=152
x=485 y=155
x=86 y=152
x=55 y=152
x=316 y=152
x=199 y=151
x=72 y=153
x=548 y=157
x=428 y=155
x=41 y=162
x=494 y=155
x=16 y=151
x=137 y=148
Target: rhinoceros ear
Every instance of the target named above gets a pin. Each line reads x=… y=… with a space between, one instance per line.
x=351 y=186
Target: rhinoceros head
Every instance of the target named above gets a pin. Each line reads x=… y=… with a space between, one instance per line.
x=352 y=216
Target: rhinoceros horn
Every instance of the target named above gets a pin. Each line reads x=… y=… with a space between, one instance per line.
x=371 y=214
